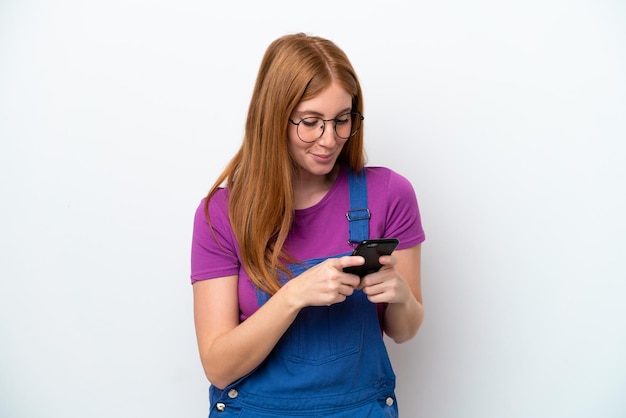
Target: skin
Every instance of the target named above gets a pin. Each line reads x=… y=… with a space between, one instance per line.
x=229 y=349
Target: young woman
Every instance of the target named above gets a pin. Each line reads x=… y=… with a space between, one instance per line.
x=282 y=330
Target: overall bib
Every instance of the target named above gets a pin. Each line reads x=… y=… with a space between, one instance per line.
x=331 y=362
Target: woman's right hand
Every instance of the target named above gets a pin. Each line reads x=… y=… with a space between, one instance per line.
x=325 y=283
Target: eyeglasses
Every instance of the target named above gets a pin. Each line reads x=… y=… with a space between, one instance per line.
x=312 y=128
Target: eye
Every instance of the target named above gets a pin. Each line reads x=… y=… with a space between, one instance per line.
x=343 y=119
x=310 y=122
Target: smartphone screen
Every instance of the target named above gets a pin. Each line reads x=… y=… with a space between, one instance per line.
x=371 y=250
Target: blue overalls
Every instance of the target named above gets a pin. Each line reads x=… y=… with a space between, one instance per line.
x=331 y=362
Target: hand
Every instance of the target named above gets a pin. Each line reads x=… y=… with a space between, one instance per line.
x=386 y=285
x=325 y=283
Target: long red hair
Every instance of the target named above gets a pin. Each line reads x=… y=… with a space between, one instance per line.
x=260 y=176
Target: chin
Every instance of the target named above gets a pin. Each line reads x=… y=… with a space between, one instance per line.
x=316 y=170
x=322 y=169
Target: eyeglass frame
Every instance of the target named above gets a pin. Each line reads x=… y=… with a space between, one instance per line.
x=353 y=112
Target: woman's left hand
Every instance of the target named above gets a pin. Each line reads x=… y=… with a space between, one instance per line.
x=386 y=285
x=397 y=284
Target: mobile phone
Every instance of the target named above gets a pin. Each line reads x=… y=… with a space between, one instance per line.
x=371 y=250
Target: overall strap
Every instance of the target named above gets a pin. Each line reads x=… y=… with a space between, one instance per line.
x=358 y=215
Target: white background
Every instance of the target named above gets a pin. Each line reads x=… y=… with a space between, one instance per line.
x=507 y=116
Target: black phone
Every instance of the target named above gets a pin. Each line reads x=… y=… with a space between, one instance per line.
x=371 y=250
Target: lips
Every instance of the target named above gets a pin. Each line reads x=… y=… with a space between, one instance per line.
x=323 y=158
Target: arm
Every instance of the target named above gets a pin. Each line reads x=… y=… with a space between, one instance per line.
x=398 y=283
x=229 y=349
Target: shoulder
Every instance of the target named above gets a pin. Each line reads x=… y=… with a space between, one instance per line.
x=385 y=179
x=217 y=209
x=218 y=201
x=382 y=173
x=217 y=205
x=394 y=206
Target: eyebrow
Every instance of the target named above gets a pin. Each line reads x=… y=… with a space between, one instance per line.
x=316 y=113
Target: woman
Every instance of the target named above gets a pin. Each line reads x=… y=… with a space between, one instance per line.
x=282 y=330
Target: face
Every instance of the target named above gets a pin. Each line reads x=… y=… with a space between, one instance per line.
x=317 y=159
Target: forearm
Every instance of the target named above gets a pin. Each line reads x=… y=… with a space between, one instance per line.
x=229 y=349
x=405 y=312
x=240 y=350
x=403 y=320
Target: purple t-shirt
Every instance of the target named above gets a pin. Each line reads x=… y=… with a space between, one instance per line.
x=318 y=231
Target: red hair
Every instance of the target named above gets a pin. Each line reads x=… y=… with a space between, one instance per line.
x=260 y=176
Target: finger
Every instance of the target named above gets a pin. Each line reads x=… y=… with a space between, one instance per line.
x=373 y=278
x=350 y=261
x=387 y=260
x=351 y=280
x=372 y=288
x=346 y=290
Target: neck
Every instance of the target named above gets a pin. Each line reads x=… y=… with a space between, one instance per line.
x=309 y=190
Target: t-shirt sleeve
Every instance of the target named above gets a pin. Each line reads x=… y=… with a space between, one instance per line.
x=213 y=250
x=403 y=219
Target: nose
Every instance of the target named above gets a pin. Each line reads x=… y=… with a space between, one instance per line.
x=329 y=136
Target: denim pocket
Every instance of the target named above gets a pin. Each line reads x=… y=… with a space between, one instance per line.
x=324 y=334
